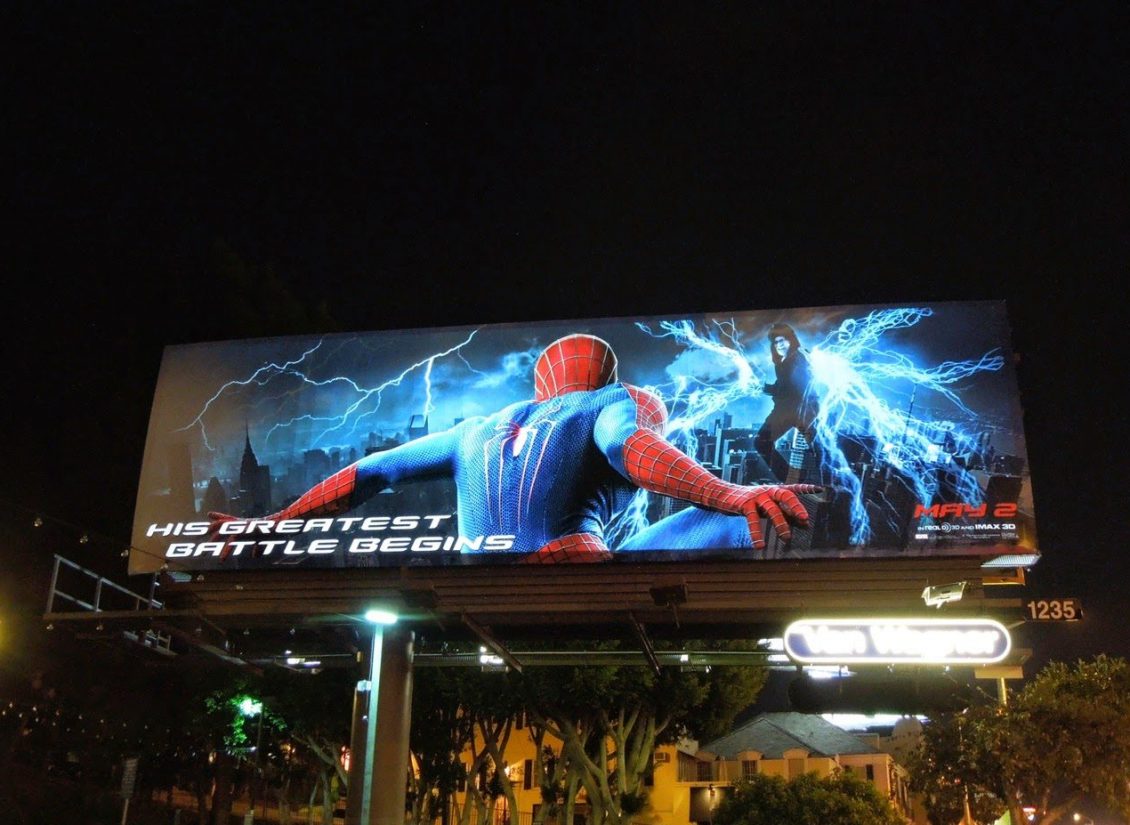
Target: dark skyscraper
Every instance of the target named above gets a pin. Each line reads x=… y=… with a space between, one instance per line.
x=254 y=483
x=182 y=498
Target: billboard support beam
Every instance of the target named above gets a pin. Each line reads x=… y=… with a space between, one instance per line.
x=645 y=642
x=495 y=646
x=671 y=596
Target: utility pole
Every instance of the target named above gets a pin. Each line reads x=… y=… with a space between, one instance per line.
x=253 y=707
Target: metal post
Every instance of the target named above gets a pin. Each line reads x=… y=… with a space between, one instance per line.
x=357 y=756
x=249 y=817
x=387 y=727
x=371 y=724
x=394 y=709
x=258 y=778
x=54 y=583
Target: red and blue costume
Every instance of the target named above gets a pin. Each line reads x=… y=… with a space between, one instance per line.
x=556 y=470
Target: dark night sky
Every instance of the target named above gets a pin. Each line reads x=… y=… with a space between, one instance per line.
x=189 y=171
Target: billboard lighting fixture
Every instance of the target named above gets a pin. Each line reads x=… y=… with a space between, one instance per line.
x=490 y=663
x=420 y=598
x=823 y=672
x=669 y=595
x=381 y=617
x=939 y=594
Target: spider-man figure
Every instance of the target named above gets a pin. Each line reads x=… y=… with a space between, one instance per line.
x=555 y=470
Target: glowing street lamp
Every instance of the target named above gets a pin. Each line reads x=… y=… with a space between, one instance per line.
x=381 y=617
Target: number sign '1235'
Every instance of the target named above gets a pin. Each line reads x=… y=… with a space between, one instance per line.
x=1054 y=610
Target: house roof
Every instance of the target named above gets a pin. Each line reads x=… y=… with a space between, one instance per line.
x=771 y=734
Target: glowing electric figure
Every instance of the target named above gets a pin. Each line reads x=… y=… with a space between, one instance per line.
x=849 y=368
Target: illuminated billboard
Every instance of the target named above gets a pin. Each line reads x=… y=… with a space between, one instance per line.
x=835 y=432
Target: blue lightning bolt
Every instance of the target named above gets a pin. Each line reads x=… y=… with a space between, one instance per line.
x=847 y=368
x=629 y=521
x=692 y=399
x=366 y=404
x=850 y=370
x=260 y=377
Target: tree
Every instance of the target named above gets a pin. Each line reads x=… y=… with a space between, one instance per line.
x=74 y=734
x=593 y=728
x=954 y=764
x=839 y=799
x=221 y=725
x=1065 y=736
x=610 y=719
x=441 y=731
x=312 y=711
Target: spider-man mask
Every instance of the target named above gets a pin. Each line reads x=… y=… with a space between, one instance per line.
x=574 y=363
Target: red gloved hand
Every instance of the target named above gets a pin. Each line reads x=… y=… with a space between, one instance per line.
x=779 y=504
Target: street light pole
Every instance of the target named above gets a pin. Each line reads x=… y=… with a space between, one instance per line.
x=251 y=707
x=257 y=779
x=381 y=723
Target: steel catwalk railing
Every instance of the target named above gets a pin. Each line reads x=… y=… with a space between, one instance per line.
x=101 y=584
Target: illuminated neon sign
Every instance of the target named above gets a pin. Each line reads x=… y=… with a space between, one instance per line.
x=897 y=641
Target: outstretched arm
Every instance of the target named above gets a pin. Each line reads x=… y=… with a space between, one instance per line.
x=631 y=435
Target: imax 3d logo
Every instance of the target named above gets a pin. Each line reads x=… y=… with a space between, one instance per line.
x=897 y=641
